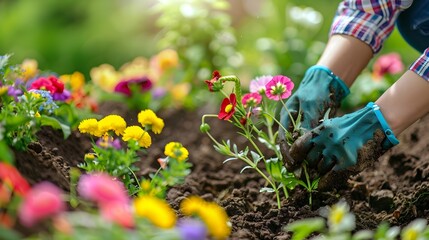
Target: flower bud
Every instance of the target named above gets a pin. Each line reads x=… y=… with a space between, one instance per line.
x=204 y=128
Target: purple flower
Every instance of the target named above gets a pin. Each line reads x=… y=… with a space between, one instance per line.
x=14 y=92
x=280 y=87
x=258 y=84
x=125 y=86
x=108 y=141
x=61 y=96
x=158 y=92
x=191 y=229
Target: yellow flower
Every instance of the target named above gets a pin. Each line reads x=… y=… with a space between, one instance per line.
x=167 y=59
x=156 y=210
x=138 y=134
x=180 y=91
x=192 y=205
x=176 y=150
x=414 y=230
x=90 y=126
x=3 y=90
x=145 y=185
x=37 y=114
x=89 y=156
x=147 y=118
x=76 y=80
x=112 y=122
x=214 y=217
x=105 y=76
x=137 y=68
x=30 y=68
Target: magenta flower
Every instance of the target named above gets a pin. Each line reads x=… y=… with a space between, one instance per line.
x=102 y=189
x=251 y=99
x=280 y=87
x=141 y=84
x=387 y=64
x=258 y=84
x=42 y=201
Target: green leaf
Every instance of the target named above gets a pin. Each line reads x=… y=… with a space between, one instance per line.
x=267 y=189
x=5 y=153
x=246 y=167
x=8 y=234
x=256 y=157
x=229 y=159
x=54 y=123
x=303 y=228
x=13 y=122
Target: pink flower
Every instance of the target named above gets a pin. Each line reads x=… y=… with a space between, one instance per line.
x=251 y=99
x=387 y=64
x=102 y=189
x=280 y=87
x=118 y=213
x=258 y=84
x=42 y=201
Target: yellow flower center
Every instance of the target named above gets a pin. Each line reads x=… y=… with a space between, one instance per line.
x=411 y=234
x=228 y=108
x=337 y=216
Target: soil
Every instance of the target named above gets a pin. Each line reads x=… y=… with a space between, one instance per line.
x=394 y=189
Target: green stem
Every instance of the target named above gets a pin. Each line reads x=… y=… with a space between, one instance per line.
x=290 y=115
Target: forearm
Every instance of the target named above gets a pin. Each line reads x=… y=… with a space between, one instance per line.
x=346 y=57
x=405 y=102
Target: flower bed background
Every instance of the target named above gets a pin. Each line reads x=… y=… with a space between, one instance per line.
x=394 y=190
x=171 y=82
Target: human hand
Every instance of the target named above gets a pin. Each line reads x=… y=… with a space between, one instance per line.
x=319 y=91
x=343 y=146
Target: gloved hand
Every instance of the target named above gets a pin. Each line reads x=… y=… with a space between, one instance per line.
x=319 y=90
x=344 y=145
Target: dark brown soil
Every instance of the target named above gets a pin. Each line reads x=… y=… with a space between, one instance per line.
x=395 y=189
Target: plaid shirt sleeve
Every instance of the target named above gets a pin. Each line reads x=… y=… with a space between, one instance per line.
x=421 y=65
x=371 y=21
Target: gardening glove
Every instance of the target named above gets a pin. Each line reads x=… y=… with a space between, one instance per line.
x=343 y=146
x=319 y=90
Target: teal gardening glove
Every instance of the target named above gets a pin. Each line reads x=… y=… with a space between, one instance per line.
x=343 y=146
x=319 y=91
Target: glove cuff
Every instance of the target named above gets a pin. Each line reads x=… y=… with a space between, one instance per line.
x=337 y=79
x=386 y=129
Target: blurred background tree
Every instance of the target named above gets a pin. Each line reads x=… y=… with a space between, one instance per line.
x=242 y=37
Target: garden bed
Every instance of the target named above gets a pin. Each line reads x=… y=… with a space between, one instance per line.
x=395 y=189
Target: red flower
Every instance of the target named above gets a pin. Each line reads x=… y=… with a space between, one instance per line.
x=227 y=107
x=51 y=84
x=10 y=176
x=210 y=83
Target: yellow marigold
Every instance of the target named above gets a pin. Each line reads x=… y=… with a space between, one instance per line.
x=147 y=118
x=138 y=134
x=112 y=122
x=176 y=150
x=89 y=126
x=105 y=76
x=192 y=205
x=156 y=210
x=213 y=216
